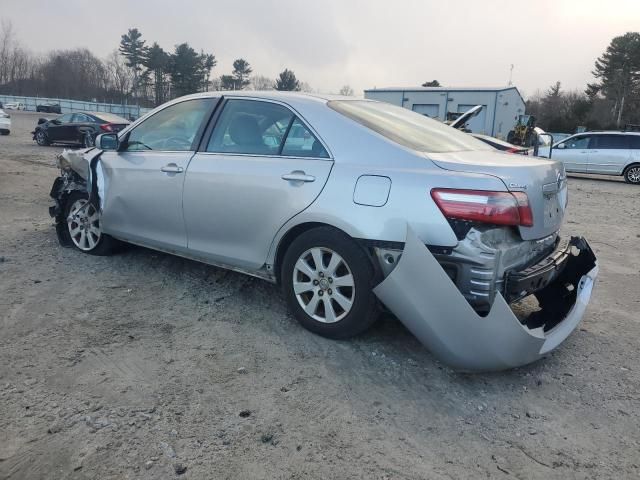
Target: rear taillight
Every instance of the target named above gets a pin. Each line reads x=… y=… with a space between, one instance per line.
x=107 y=127
x=498 y=208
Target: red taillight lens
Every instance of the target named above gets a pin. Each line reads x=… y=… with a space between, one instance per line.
x=107 y=127
x=498 y=208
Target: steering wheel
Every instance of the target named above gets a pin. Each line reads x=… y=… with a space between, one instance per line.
x=176 y=142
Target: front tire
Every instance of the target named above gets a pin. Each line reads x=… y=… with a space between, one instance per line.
x=327 y=280
x=41 y=138
x=83 y=226
x=632 y=174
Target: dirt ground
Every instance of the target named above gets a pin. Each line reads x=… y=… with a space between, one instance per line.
x=148 y=366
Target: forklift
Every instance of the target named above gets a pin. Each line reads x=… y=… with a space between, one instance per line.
x=523 y=134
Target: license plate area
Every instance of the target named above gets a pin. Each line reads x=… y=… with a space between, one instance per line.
x=552 y=210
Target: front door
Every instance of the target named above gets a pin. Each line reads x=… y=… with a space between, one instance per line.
x=59 y=128
x=574 y=153
x=261 y=166
x=143 y=180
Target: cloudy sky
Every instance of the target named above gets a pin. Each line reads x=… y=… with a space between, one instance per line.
x=363 y=43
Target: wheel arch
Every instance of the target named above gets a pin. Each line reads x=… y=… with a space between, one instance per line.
x=294 y=232
x=630 y=165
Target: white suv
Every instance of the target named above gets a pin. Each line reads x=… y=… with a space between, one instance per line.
x=606 y=153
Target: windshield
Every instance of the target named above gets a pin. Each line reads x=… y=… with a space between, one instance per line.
x=407 y=128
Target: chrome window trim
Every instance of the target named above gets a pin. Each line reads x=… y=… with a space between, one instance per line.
x=260 y=155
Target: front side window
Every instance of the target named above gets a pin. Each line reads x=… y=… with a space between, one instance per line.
x=172 y=129
x=407 y=128
x=250 y=127
x=576 y=143
x=66 y=118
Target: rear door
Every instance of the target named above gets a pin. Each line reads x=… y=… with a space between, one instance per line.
x=144 y=180
x=80 y=122
x=261 y=165
x=609 y=155
x=574 y=153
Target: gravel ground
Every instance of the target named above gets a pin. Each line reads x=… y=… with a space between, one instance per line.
x=143 y=365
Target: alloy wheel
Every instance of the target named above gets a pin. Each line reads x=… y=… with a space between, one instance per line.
x=634 y=175
x=324 y=285
x=83 y=223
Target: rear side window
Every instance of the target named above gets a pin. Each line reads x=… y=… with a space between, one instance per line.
x=81 y=118
x=407 y=128
x=250 y=127
x=301 y=142
x=634 y=141
x=609 y=142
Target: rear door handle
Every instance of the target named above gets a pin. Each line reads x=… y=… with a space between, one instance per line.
x=298 y=177
x=172 y=168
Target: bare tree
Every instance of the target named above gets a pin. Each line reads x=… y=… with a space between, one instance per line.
x=305 y=87
x=120 y=75
x=346 y=90
x=260 y=82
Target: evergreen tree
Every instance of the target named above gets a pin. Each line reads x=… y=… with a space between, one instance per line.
x=287 y=81
x=132 y=48
x=241 y=73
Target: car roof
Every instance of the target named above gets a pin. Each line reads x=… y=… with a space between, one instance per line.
x=107 y=117
x=608 y=132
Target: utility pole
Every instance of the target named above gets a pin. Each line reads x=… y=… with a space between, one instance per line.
x=510 y=75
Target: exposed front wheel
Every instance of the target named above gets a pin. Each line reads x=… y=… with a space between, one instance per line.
x=41 y=138
x=83 y=226
x=327 y=280
x=632 y=174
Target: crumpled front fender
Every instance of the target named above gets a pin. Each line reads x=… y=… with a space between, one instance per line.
x=428 y=303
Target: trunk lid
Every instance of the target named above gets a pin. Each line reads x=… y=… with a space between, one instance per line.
x=543 y=180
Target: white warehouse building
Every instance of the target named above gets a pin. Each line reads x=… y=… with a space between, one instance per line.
x=501 y=106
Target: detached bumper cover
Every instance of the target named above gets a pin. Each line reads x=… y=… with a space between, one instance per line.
x=424 y=298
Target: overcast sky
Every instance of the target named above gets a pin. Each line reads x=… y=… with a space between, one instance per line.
x=362 y=43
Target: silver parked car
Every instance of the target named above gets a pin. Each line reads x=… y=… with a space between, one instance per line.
x=605 y=153
x=347 y=204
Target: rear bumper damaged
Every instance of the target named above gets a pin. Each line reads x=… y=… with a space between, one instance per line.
x=428 y=303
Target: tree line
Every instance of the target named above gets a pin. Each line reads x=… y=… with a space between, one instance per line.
x=610 y=102
x=136 y=72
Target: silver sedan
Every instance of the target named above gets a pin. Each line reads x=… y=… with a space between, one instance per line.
x=349 y=205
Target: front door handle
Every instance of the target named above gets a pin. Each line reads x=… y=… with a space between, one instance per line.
x=172 y=168
x=298 y=176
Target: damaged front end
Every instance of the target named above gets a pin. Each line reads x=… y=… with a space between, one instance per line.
x=423 y=296
x=75 y=172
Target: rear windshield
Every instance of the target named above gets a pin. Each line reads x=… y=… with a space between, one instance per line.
x=406 y=127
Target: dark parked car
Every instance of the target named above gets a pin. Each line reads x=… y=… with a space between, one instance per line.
x=77 y=128
x=49 y=108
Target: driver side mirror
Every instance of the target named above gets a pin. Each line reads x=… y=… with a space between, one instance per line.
x=562 y=146
x=107 y=141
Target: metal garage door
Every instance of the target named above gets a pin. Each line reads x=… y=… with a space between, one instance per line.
x=478 y=123
x=429 y=109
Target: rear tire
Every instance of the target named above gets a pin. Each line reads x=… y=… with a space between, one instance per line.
x=83 y=226
x=327 y=280
x=88 y=140
x=632 y=174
